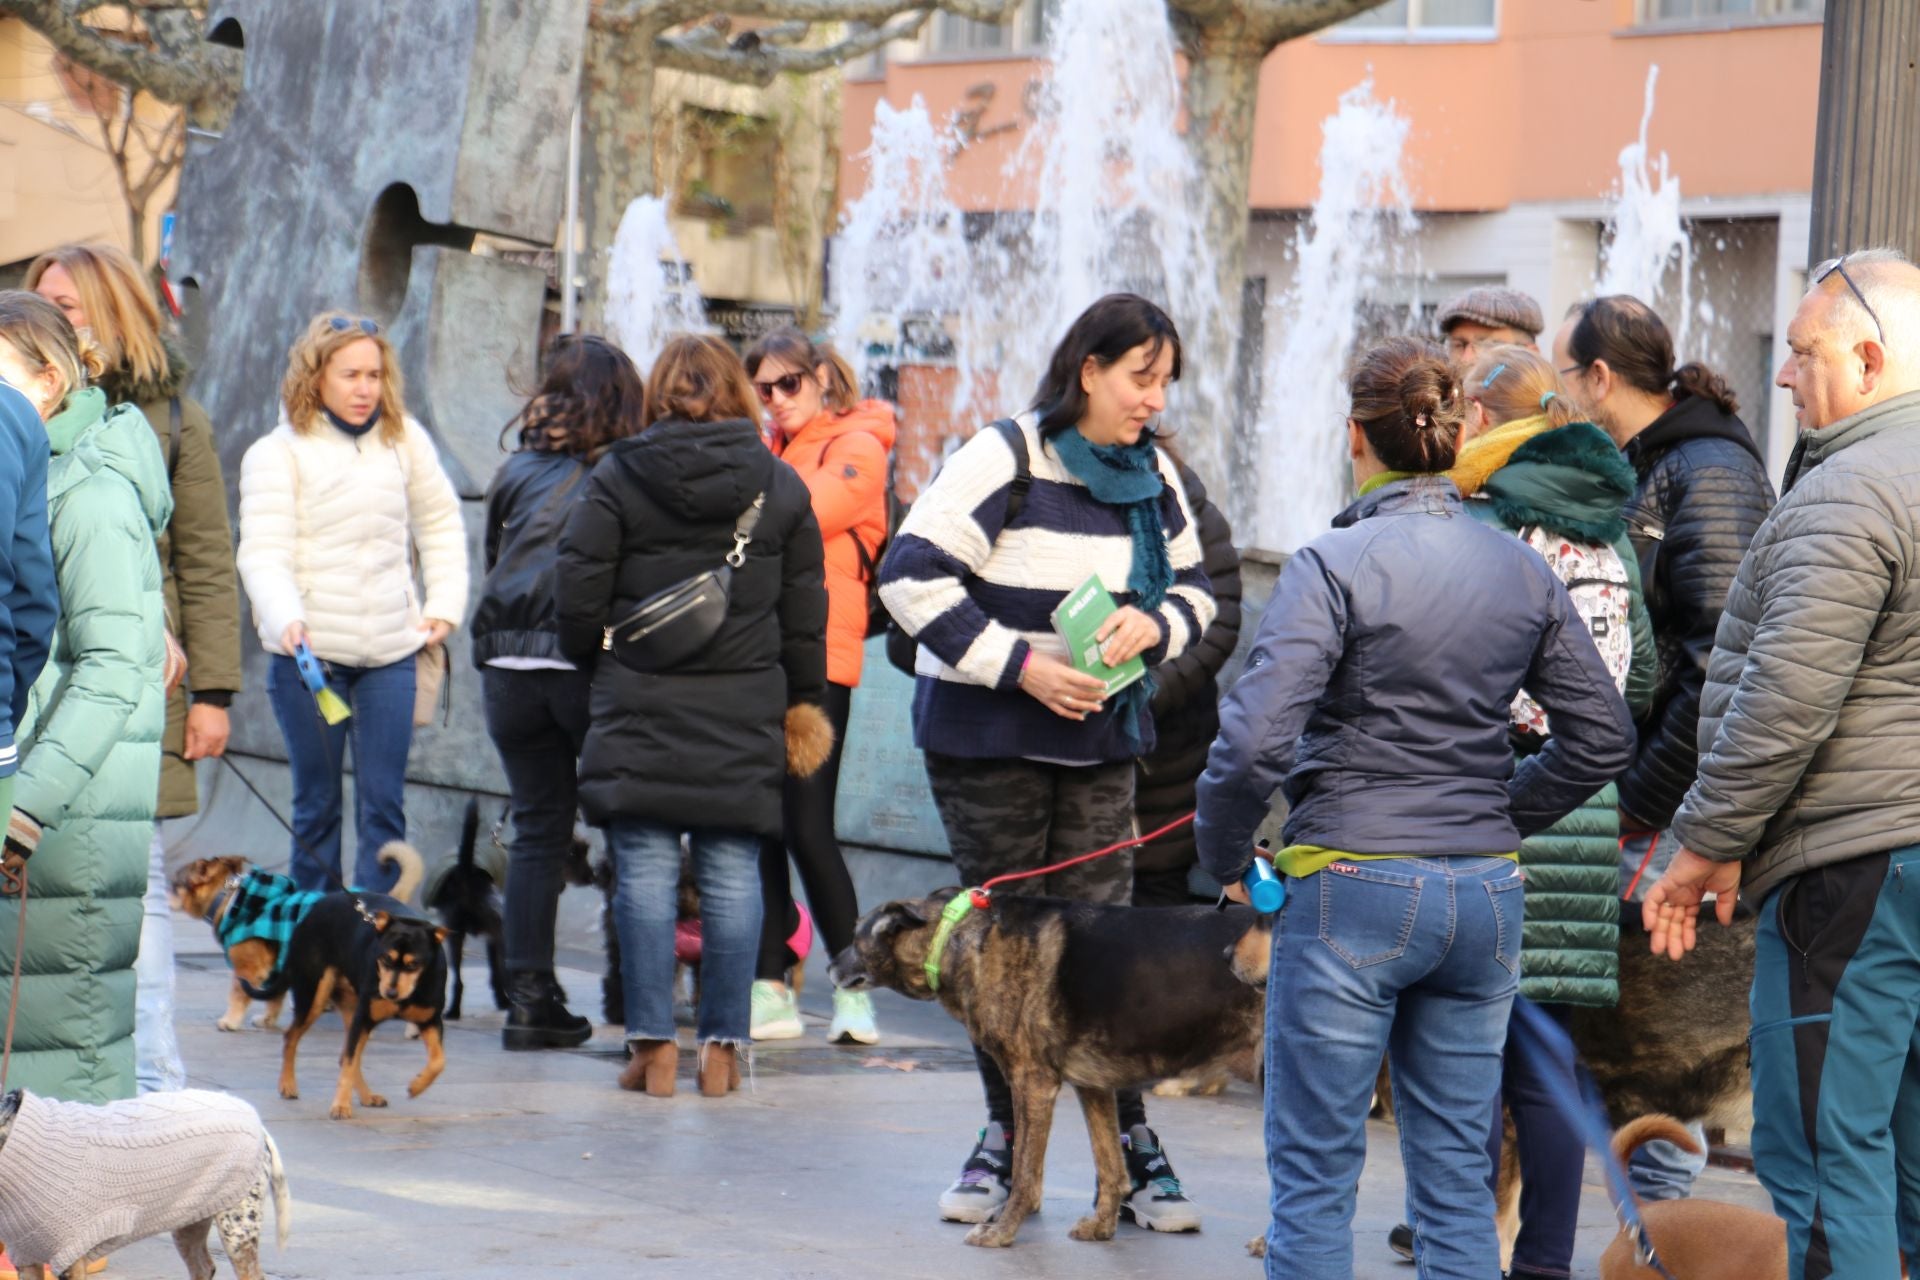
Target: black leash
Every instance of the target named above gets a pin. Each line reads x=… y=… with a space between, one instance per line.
x=338 y=884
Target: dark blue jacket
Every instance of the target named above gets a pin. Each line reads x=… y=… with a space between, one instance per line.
x=1378 y=689
x=527 y=508
x=29 y=601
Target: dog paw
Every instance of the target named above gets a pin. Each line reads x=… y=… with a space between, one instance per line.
x=1257 y=1247
x=288 y=1092
x=340 y=1111
x=990 y=1235
x=373 y=1100
x=226 y=1025
x=1091 y=1228
x=266 y=1021
x=412 y=1032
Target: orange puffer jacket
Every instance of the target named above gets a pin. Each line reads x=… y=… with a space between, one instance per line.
x=843 y=459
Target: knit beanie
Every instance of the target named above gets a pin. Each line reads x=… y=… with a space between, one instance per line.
x=1495 y=307
x=79 y=1180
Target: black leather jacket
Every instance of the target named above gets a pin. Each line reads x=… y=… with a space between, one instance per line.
x=526 y=510
x=1703 y=492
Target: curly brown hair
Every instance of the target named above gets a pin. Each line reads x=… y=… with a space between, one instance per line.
x=307 y=359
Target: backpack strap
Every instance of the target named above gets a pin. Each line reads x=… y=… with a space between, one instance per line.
x=173 y=438
x=1022 y=466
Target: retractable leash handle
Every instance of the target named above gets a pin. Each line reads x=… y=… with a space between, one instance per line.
x=1265 y=889
x=333 y=708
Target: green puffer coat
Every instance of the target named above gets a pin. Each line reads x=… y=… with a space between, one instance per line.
x=90 y=756
x=1573 y=482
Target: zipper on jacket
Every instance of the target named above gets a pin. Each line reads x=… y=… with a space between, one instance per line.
x=1655 y=531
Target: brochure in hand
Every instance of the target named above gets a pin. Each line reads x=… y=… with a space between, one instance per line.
x=1078 y=621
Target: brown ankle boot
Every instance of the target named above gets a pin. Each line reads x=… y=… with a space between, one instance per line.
x=719 y=1069
x=651 y=1067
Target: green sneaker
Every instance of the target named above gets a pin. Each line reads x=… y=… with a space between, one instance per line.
x=852 y=1019
x=775 y=1013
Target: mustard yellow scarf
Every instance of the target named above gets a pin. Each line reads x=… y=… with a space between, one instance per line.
x=1485 y=454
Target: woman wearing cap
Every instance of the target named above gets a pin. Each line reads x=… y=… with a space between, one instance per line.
x=329 y=501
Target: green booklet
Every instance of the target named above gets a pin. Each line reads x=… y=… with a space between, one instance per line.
x=1078 y=620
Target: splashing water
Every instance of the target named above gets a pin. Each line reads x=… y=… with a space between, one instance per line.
x=651 y=296
x=1107 y=176
x=1362 y=211
x=1646 y=237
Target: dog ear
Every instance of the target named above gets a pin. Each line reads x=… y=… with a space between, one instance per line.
x=380 y=921
x=232 y=864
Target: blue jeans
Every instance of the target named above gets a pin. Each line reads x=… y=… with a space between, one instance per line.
x=1417 y=958
x=726 y=866
x=381 y=728
x=156 y=1049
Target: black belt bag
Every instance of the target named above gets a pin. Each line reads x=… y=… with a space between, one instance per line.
x=673 y=624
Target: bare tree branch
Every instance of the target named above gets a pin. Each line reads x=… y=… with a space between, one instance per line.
x=203 y=77
x=706 y=51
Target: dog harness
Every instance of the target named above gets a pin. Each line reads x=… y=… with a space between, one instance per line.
x=264 y=907
x=954 y=912
x=78 y=1180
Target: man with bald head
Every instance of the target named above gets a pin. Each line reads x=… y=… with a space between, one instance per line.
x=1807 y=802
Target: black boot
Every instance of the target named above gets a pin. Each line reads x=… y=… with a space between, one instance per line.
x=537 y=1016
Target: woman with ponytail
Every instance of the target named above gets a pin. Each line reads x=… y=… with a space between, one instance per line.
x=1377 y=697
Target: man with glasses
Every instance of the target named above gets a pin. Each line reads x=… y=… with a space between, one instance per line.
x=1807 y=801
x=1486 y=317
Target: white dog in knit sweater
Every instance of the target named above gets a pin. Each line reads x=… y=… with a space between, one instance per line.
x=78 y=1182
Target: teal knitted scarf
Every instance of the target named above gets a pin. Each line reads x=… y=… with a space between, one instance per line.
x=1128 y=476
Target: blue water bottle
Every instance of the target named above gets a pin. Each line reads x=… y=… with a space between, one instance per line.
x=1265 y=889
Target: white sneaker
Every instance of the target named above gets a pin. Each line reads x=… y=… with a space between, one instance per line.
x=1156 y=1201
x=977 y=1194
x=774 y=1012
x=852 y=1019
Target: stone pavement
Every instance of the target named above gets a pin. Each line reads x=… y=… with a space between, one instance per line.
x=535 y=1164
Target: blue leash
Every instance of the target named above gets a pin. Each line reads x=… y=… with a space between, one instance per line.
x=1540 y=1036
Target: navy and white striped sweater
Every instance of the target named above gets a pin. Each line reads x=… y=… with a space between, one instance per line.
x=978 y=596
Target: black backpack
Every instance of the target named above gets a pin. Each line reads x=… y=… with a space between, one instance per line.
x=901 y=647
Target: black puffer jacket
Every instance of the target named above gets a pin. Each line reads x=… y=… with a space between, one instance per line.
x=702 y=745
x=1703 y=491
x=527 y=508
x=1186 y=705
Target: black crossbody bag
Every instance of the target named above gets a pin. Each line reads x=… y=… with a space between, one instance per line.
x=676 y=622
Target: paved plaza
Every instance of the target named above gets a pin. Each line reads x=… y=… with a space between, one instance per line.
x=520 y=1165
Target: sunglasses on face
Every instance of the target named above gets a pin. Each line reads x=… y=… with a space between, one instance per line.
x=788 y=386
x=1831 y=265
x=340 y=324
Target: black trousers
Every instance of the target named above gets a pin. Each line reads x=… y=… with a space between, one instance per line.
x=810 y=839
x=1016 y=815
x=538 y=723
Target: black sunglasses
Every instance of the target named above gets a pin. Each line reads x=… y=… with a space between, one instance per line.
x=1831 y=265
x=340 y=324
x=788 y=386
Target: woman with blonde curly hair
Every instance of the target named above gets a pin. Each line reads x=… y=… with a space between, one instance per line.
x=329 y=501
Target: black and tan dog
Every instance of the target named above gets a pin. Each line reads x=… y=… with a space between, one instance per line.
x=1060 y=992
x=208 y=888
x=464 y=896
x=377 y=960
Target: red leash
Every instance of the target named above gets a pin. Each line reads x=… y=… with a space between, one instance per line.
x=1011 y=876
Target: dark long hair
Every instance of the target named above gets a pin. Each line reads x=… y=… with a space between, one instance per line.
x=589 y=395
x=1406 y=398
x=1635 y=343
x=1105 y=331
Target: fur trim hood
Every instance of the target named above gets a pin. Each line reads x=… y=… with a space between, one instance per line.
x=123 y=388
x=1572 y=481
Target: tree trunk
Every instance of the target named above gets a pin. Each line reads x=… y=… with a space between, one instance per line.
x=1866 y=162
x=1223 y=83
x=616 y=162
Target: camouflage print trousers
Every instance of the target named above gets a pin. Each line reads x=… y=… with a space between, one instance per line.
x=1015 y=815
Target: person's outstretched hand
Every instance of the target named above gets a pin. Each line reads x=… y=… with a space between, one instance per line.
x=1671 y=912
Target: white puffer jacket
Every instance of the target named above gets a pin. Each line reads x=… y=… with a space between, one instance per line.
x=325 y=519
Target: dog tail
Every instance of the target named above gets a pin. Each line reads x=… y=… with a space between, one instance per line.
x=470 y=831
x=412 y=869
x=282 y=1201
x=1632 y=1135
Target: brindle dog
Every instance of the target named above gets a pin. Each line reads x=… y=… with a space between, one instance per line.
x=1059 y=992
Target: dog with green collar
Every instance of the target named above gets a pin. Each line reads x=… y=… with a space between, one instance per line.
x=1061 y=992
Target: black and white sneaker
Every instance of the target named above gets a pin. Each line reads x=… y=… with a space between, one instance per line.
x=977 y=1194
x=1400 y=1240
x=1156 y=1201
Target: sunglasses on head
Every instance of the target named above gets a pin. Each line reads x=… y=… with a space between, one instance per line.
x=340 y=324
x=788 y=385
x=1831 y=265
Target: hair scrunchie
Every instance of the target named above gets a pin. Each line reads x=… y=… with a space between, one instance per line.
x=1548 y=396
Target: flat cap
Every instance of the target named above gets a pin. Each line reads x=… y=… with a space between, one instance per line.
x=1495 y=307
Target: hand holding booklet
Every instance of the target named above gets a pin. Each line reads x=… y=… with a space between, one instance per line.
x=1078 y=620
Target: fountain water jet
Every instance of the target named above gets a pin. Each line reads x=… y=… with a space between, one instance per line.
x=1647 y=237
x=651 y=296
